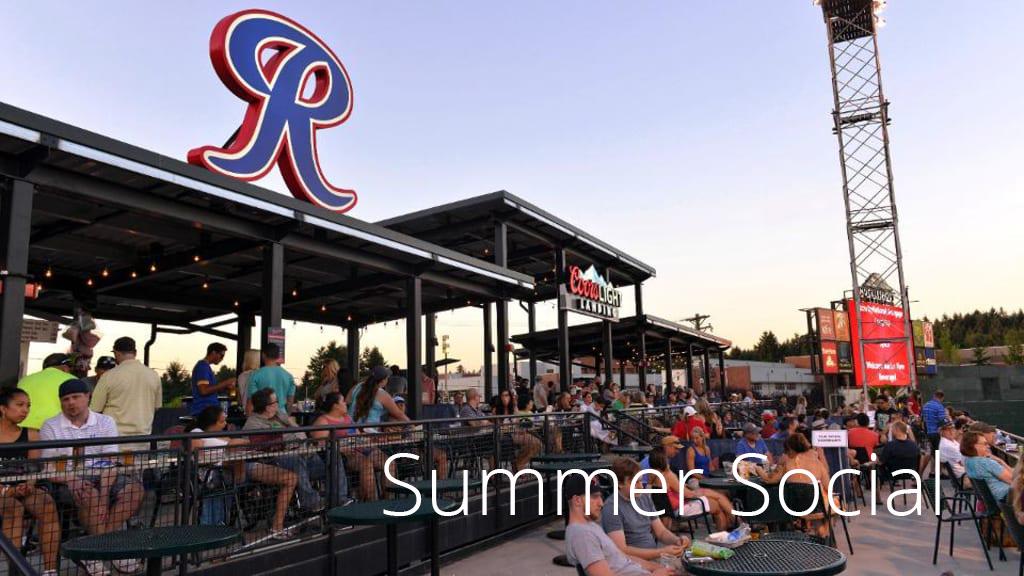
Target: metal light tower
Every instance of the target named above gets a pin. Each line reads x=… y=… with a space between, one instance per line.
x=861 y=120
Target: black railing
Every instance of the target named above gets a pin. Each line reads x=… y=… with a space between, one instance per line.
x=19 y=565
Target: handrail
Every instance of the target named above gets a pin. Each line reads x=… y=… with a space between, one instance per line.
x=14 y=557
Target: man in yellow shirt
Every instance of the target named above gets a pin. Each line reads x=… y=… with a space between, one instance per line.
x=43 y=389
x=129 y=393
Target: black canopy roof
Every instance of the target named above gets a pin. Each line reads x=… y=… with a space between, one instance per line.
x=146 y=238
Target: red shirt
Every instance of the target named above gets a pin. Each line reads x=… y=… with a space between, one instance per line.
x=863 y=438
x=768 y=430
x=683 y=428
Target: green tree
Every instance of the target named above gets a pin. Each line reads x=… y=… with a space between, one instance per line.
x=311 y=379
x=225 y=372
x=981 y=357
x=950 y=351
x=1014 y=348
x=768 y=348
x=368 y=359
x=177 y=382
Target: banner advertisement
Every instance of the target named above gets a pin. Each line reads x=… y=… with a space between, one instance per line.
x=829 y=358
x=844 y=351
x=886 y=363
x=842 y=325
x=826 y=329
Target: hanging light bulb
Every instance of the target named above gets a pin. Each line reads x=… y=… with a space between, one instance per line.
x=206 y=284
x=105 y=272
x=349 y=317
x=88 y=281
x=323 y=308
x=236 y=303
x=134 y=274
x=295 y=293
x=49 y=272
x=152 y=267
x=196 y=258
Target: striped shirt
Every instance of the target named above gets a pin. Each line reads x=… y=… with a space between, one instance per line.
x=96 y=426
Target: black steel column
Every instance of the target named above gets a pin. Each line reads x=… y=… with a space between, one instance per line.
x=564 y=354
x=273 y=289
x=707 y=371
x=669 y=384
x=352 y=351
x=488 y=350
x=531 y=320
x=501 y=306
x=244 y=341
x=607 y=341
x=641 y=335
x=413 y=345
x=721 y=371
x=689 y=369
x=430 y=340
x=16 y=226
x=622 y=374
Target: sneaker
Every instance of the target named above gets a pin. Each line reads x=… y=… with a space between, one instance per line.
x=96 y=568
x=284 y=535
x=127 y=566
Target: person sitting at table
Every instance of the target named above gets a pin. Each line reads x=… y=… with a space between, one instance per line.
x=105 y=499
x=364 y=459
x=368 y=402
x=17 y=498
x=752 y=443
x=698 y=456
x=901 y=452
x=637 y=535
x=799 y=455
x=863 y=437
x=690 y=420
x=598 y=432
x=695 y=500
x=211 y=452
x=586 y=544
x=526 y=445
x=266 y=416
x=982 y=466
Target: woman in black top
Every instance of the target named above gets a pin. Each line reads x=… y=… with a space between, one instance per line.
x=18 y=497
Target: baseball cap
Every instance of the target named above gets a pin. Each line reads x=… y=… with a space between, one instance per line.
x=767 y=416
x=946 y=423
x=73 y=386
x=105 y=363
x=819 y=424
x=379 y=373
x=57 y=359
x=671 y=441
x=124 y=344
x=689 y=411
x=399 y=399
x=576 y=485
x=750 y=427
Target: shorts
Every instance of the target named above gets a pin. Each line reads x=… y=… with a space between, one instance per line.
x=692 y=507
x=62 y=493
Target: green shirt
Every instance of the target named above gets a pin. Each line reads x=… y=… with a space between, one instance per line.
x=618 y=405
x=276 y=378
x=43 y=389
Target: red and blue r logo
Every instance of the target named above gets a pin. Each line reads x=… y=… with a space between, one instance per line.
x=295 y=85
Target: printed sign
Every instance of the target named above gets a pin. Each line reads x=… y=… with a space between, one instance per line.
x=38 y=331
x=829 y=439
x=885 y=363
x=842 y=322
x=826 y=328
x=276 y=336
x=844 y=350
x=591 y=294
x=295 y=85
x=829 y=358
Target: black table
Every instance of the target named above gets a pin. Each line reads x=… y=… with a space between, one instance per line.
x=793 y=536
x=153 y=544
x=443 y=485
x=775 y=558
x=567 y=457
x=372 y=514
x=641 y=450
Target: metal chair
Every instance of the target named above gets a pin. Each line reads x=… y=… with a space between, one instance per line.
x=948 y=515
x=1016 y=531
x=991 y=512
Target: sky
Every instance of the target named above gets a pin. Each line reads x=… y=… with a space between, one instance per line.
x=694 y=136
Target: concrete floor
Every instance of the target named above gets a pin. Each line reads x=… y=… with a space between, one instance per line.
x=882 y=545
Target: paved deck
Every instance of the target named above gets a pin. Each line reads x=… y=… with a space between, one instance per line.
x=882 y=545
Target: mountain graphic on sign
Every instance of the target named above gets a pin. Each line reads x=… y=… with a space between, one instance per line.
x=592 y=275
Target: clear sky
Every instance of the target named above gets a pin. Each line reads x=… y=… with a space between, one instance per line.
x=695 y=136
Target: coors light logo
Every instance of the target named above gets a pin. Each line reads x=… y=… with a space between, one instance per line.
x=595 y=295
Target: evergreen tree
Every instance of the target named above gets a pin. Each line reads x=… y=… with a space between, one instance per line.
x=368 y=359
x=768 y=348
x=980 y=356
x=176 y=382
x=225 y=372
x=1014 y=348
x=311 y=378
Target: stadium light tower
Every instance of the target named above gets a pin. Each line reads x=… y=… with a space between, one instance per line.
x=861 y=120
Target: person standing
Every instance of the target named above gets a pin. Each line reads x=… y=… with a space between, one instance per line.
x=250 y=364
x=103 y=364
x=130 y=393
x=42 y=388
x=540 y=395
x=397 y=384
x=205 y=388
x=273 y=376
x=934 y=413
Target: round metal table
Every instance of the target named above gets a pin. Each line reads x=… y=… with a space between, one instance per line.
x=372 y=514
x=153 y=544
x=443 y=485
x=641 y=450
x=794 y=536
x=567 y=457
x=775 y=558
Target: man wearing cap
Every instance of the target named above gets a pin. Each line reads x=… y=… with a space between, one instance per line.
x=130 y=393
x=672 y=447
x=690 y=421
x=103 y=365
x=104 y=498
x=752 y=442
x=586 y=544
x=205 y=388
x=949 y=448
x=42 y=389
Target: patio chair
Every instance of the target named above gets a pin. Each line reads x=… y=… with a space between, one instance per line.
x=958 y=484
x=948 y=506
x=991 y=513
x=800 y=496
x=661 y=501
x=1016 y=531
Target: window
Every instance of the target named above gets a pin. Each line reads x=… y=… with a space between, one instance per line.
x=990 y=389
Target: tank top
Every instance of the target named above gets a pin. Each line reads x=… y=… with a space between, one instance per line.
x=376 y=412
x=700 y=461
x=22 y=454
x=340 y=432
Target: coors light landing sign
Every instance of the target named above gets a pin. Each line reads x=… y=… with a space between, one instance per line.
x=591 y=294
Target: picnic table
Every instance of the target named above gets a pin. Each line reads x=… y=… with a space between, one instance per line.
x=153 y=544
x=768 y=557
x=372 y=514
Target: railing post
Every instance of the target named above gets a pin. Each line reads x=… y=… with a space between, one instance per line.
x=333 y=479
x=497 y=442
x=588 y=439
x=428 y=460
x=547 y=434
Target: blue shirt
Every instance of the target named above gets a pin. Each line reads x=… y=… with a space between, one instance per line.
x=933 y=414
x=759 y=447
x=203 y=371
x=277 y=379
x=981 y=468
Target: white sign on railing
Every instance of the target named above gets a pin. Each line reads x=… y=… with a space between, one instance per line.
x=829 y=438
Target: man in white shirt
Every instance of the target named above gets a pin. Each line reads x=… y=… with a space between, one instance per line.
x=540 y=394
x=949 y=448
x=597 y=429
x=105 y=499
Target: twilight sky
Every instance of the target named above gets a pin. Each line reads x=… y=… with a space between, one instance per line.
x=695 y=136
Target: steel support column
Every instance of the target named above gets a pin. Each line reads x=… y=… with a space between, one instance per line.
x=638 y=289
x=413 y=345
x=564 y=353
x=721 y=371
x=244 y=339
x=501 y=306
x=352 y=352
x=669 y=385
x=488 y=371
x=607 y=342
x=689 y=369
x=273 y=289
x=622 y=374
x=430 y=346
x=16 y=231
x=531 y=320
x=707 y=371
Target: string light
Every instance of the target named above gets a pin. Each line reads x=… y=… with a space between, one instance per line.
x=236 y=303
x=206 y=284
x=105 y=272
x=152 y=267
x=134 y=274
x=323 y=308
x=48 y=273
x=88 y=281
x=196 y=258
